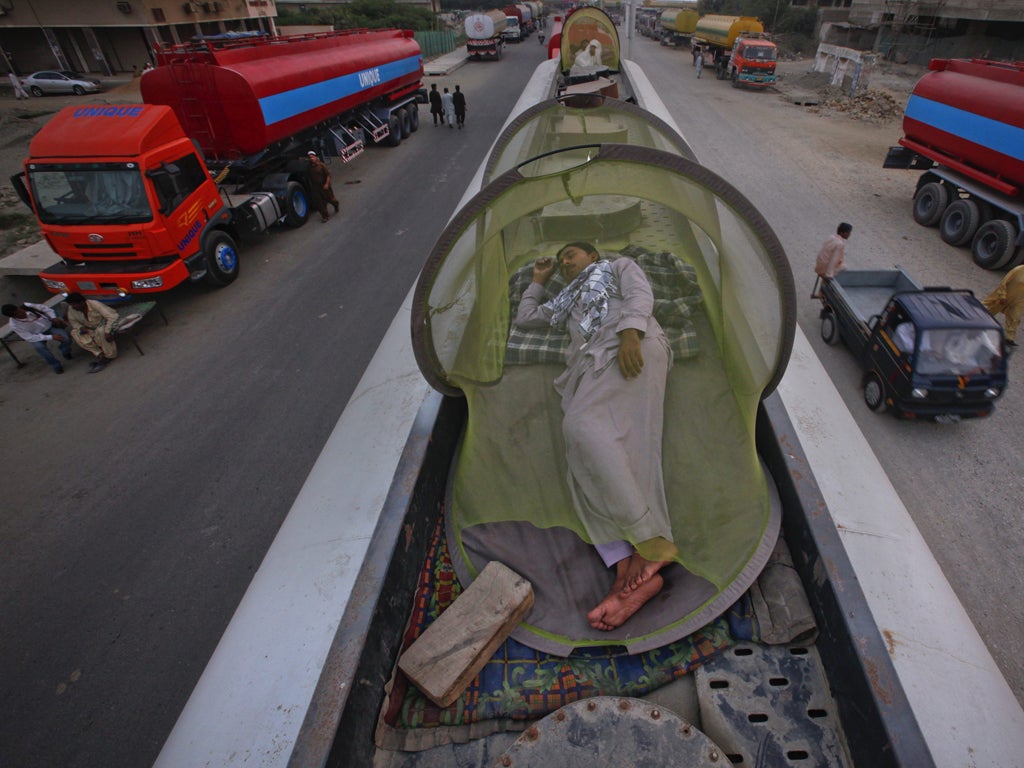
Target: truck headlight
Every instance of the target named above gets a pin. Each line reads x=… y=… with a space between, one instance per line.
x=56 y=285
x=919 y=392
x=991 y=392
x=149 y=282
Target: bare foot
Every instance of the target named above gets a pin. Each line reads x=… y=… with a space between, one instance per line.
x=639 y=571
x=619 y=604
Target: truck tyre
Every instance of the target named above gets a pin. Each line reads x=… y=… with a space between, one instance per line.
x=296 y=205
x=994 y=244
x=874 y=392
x=829 y=328
x=394 y=137
x=735 y=79
x=221 y=259
x=930 y=203
x=414 y=117
x=405 y=123
x=959 y=222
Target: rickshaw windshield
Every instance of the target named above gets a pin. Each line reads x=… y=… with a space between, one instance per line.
x=959 y=352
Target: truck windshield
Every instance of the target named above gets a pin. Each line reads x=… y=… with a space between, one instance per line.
x=101 y=193
x=959 y=352
x=759 y=52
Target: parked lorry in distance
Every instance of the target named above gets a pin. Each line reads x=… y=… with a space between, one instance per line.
x=739 y=49
x=676 y=25
x=964 y=126
x=484 y=32
x=140 y=198
x=528 y=18
x=648 y=21
x=518 y=29
x=926 y=352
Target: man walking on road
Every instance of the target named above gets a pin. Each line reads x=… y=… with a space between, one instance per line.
x=435 y=103
x=320 y=186
x=449 y=108
x=1008 y=298
x=459 y=102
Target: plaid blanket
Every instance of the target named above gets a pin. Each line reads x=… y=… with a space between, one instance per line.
x=676 y=296
x=519 y=683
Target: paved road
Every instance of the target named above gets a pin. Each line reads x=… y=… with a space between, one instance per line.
x=138 y=503
x=806 y=173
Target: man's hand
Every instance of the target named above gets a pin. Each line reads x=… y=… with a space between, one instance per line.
x=58 y=323
x=108 y=336
x=543 y=268
x=631 y=360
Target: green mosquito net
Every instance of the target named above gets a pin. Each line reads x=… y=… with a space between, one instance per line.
x=723 y=293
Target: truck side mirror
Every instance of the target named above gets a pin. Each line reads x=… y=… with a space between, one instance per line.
x=18 y=182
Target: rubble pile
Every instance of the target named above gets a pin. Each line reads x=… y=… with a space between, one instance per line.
x=872 y=106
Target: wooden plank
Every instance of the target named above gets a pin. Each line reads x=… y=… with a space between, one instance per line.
x=448 y=655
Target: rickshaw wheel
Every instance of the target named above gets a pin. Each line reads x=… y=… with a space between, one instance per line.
x=874 y=392
x=829 y=329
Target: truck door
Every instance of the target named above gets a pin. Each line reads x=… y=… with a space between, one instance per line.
x=181 y=188
x=893 y=348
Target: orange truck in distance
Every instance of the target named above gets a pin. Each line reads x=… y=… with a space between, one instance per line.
x=739 y=49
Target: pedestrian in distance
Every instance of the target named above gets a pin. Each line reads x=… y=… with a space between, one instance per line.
x=449 y=108
x=320 y=186
x=92 y=328
x=832 y=256
x=1008 y=298
x=436 y=108
x=19 y=89
x=38 y=324
x=459 y=102
x=699 y=62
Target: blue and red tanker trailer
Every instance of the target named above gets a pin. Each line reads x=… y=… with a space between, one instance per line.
x=964 y=126
x=139 y=198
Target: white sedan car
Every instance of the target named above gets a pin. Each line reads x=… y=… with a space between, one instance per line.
x=60 y=81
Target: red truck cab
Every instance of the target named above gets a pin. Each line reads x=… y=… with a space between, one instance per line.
x=753 y=62
x=131 y=209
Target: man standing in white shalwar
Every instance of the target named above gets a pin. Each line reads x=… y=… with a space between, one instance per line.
x=613 y=395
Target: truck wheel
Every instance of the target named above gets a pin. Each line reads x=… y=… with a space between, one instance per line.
x=994 y=244
x=221 y=259
x=414 y=117
x=1017 y=260
x=405 y=123
x=874 y=392
x=296 y=205
x=959 y=222
x=394 y=137
x=929 y=203
x=735 y=80
x=829 y=329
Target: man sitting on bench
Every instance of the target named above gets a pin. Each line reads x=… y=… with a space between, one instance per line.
x=92 y=328
x=38 y=324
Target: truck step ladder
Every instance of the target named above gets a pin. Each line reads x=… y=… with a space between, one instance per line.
x=373 y=125
x=346 y=143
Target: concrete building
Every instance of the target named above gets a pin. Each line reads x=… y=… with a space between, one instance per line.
x=111 y=36
x=914 y=31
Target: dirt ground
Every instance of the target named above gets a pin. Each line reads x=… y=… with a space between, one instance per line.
x=881 y=103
